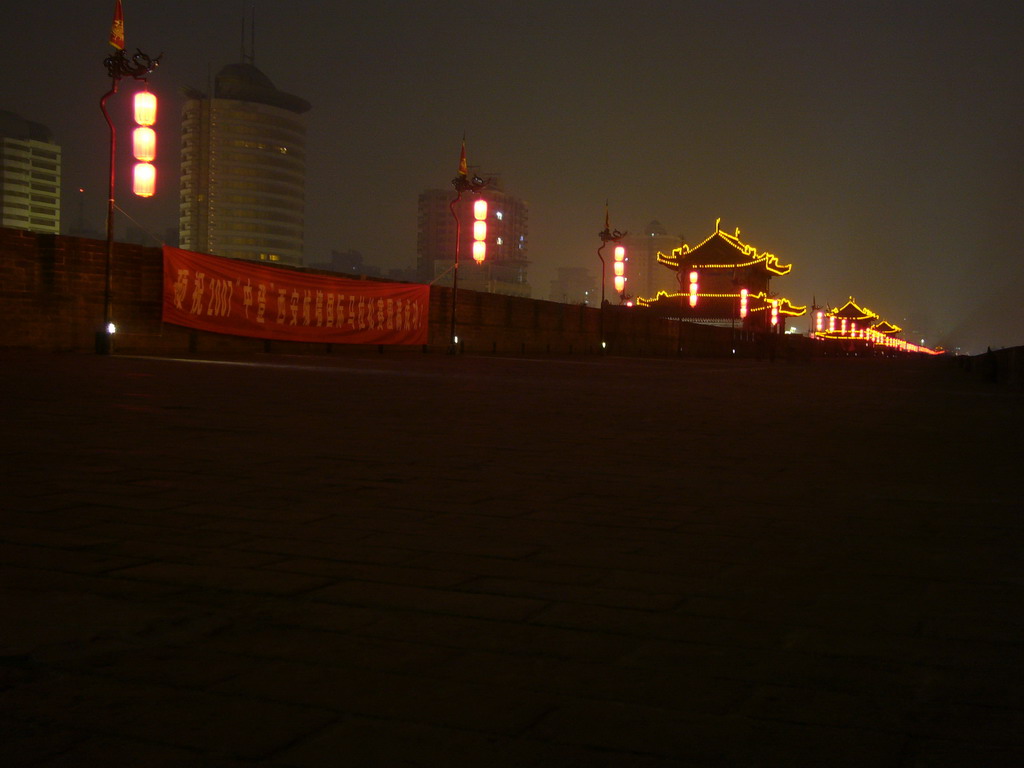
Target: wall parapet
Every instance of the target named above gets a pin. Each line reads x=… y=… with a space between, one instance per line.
x=52 y=293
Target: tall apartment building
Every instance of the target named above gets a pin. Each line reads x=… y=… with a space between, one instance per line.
x=243 y=169
x=29 y=175
x=504 y=269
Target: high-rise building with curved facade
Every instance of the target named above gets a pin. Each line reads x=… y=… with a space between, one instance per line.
x=243 y=169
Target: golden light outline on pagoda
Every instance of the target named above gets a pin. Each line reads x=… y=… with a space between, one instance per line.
x=769 y=260
x=881 y=333
x=886 y=328
x=786 y=307
x=861 y=313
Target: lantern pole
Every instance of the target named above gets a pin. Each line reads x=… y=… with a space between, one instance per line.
x=679 y=279
x=735 y=311
x=118 y=65
x=607 y=235
x=461 y=184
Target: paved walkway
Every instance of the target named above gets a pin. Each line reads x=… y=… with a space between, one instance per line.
x=422 y=560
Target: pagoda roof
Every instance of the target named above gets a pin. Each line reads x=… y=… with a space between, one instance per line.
x=850 y=311
x=721 y=250
x=886 y=327
x=786 y=307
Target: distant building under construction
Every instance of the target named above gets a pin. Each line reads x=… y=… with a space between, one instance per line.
x=504 y=268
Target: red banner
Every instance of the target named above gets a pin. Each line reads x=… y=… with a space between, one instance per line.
x=211 y=293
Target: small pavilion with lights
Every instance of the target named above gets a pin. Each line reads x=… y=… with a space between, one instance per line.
x=724 y=281
x=858 y=326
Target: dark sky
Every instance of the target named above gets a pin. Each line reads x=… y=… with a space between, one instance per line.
x=878 y=146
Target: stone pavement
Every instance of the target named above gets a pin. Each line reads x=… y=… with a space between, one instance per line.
x=423 y=560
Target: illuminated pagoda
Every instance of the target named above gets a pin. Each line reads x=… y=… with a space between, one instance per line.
x=848 y=319
x=886 y=329
x=852 y=321
x=724 y=281
x=859 y=327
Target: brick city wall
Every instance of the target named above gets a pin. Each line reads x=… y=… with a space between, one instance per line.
x=52 y=289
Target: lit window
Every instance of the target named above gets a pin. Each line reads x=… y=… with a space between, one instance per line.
x=499 y=215
x=500 y=241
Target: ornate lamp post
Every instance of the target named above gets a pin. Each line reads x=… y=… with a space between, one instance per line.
x=607 y=235
x=118 y=65
x=682 y=297
x=475 y=185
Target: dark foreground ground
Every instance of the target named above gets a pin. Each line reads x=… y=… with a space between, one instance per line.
x=434 y=561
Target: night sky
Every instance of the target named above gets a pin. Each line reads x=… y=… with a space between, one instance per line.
x=877 y=146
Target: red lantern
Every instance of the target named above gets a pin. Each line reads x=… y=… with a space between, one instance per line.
x=144 y=144
x=144 y=179
x=145 y=108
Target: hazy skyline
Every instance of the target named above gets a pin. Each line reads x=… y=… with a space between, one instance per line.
x=875 y=146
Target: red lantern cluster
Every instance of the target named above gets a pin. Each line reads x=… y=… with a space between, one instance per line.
x=144 y=145
x=693 y=288
x=480 y=230
x=744 y=295
x=620 y=268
